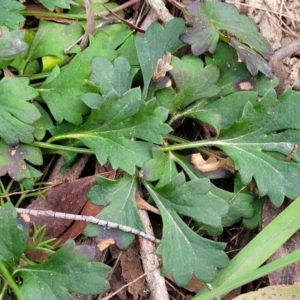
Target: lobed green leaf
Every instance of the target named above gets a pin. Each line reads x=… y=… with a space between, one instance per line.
x=13 y=237
x=261 y=140
x=184 y=253
x=119 y=196
x=10 y=15
x=13 y=160
x=211 y=18
x=154 y=44
x=67 y=270
x=16 y=114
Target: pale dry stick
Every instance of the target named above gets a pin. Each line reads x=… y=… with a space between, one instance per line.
x=154 y=279
x=88 y=219
x=286 y=51
x=90 y=24
x=150 y=18
x=160 y=8
x=124 y=286
x=268 y=10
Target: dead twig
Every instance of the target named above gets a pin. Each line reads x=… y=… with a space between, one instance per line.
x=88 y=219
x=286 y=51
x=90 y=24
x=162 y=12
x=155 y=281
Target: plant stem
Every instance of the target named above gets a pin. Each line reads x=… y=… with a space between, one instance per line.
x=189 y=145
x=183 y=141
x=62 y=148
x=33 y=13
x=9 y=281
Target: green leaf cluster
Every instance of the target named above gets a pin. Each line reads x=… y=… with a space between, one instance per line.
x=69 y=269
x=104 y=101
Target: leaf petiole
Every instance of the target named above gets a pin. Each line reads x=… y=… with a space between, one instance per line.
x=62 y=148
x=8 y=281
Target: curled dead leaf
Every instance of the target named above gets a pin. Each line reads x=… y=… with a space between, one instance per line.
x=162 y=67
x=211 y=164
x=103 y=244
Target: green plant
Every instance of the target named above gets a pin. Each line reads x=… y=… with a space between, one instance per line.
x=66 y=270
x=106 y=101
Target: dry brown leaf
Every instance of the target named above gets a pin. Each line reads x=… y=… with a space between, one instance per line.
x=211 y=164
x=66 y=198
x=195 y=285
x=132 y=269
x=162 y=67
x=103 y=244
x=142 y=204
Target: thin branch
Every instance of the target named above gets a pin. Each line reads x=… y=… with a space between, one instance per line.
x=88 y=219
x=287 y=50
x=156 y=282
x=161 y=10
x=90 y=24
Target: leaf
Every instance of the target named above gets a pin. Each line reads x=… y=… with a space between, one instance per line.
x=119 y=195
x=222 y=113
x=112 y=36
x=254 y=62
x=259 y=142
x=179 y=242
x=12 y=160
x=193 y=199
x=109 y=130
x=68 y=270
x=63 y=93
x=13 y=238
x=234 y=75
x=117 y=76
x=256 y=219
x=193 y=82
x=240 y=204
x=51 y=39
x=154 y=44
x=161 y=167
x=42 y=124
x=50 y=4
x=213 y=17
x=128 y=51
x=10 y=15
x=11 y=43
x=16 y=115
x=275 y=292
